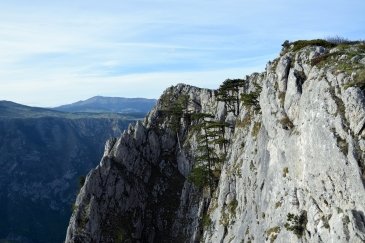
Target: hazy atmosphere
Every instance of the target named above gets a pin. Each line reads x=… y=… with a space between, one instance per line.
x=182 y=121
x=57 y=52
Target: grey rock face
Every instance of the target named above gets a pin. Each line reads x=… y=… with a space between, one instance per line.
x=139 y=192
x=294 y=170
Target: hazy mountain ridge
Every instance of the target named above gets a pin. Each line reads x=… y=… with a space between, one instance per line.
x=110 y=104
x=43 y=153
x=293 y=159
x=10 y=110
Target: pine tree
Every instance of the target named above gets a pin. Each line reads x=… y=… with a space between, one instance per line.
x=175 y=108
x=252 y=99
x=228 y=92
x=210 y=134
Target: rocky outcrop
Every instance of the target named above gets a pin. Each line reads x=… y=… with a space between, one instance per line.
x=139 y=190
x=293 y=167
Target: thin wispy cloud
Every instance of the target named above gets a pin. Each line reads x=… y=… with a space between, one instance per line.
x=58 y=52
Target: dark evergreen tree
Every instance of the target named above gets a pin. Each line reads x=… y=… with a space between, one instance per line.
x=208 y=161
x=252 y=99
x=228 y=92
x=175 y=108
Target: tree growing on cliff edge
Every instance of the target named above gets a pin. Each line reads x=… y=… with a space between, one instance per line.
x=210 y=134
x=228 y=92
x=252 y=99
x=175 y=108
x=208 y=161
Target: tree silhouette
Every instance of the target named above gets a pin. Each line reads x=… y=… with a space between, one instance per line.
x=175 y=108
x=228 y=92
x=252 y=99
x=208 y=160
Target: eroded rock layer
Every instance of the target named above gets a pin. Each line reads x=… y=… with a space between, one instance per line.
x=292 y=168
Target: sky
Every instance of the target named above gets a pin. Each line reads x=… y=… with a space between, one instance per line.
x=59 y=52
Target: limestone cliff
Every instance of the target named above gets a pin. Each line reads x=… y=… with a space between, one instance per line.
x=292 y=168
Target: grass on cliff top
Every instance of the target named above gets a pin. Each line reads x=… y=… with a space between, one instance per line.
x=345 y=58
x=347 y=50
x=358 y=80
x=297 y=45
x=330 y=42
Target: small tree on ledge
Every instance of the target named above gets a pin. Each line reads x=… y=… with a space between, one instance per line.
x=228 y=92
x=207 y=161
x=252 y=99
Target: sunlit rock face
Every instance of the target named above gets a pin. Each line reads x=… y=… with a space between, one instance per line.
x=292 y=171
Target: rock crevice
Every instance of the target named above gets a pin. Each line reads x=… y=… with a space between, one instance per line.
x=293 y=168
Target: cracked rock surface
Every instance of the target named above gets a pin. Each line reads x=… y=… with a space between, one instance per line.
x=294 y=170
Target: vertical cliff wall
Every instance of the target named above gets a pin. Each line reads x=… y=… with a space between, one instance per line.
x=292 y=168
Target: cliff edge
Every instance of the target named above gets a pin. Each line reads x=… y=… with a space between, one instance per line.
x=275 y=157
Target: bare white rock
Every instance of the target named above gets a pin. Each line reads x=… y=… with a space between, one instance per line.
x=301 y=154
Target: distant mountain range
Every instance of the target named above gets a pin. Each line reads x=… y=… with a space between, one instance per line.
x=44 y=152
x=110 y=104
x=10 y=110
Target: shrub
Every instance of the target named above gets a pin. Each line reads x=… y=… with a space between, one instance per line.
x=359 y=80
x=232 y=206
x=246 y=121
x=297 y=223
x=224 y=220
x=285 y=44
x=317 y=42
x=361 y=47
x=228 y=92
x=256 y=129
x=252 y=99
x=337 y=40
x=74 y=208
x=278 y=204
x=281 y=97
x=273 y=233
x=199 y=177
x=285 y=171
x=342 y=144
x=321 y=58
x=286 y=123
x=81 y=181
x=206 y=220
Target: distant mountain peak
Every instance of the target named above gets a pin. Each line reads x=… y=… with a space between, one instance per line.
x=110 y=104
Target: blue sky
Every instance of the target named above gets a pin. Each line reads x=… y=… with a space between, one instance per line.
x=58 y=52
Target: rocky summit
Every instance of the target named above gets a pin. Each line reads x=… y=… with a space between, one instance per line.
x=275 y=157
